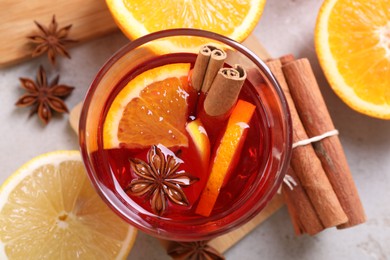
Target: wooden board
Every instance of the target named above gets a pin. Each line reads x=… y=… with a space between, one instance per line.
x=225 y=242
x=90 y=19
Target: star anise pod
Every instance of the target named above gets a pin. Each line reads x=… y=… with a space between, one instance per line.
x=159 y=179
x=51 y=40
x=44 y=97
x=198 y=250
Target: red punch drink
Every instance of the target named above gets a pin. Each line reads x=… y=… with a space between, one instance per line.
x=174 y=157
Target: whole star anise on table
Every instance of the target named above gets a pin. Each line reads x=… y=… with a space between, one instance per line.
x=51 y=40
x=198 y=250
x=44 y=97
x=159 y=179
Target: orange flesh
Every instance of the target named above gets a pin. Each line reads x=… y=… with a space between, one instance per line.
x=235 y=19
x=359 y=50
x=190 y=14
x=153 y=118
x=150 y=110
x=227 y=151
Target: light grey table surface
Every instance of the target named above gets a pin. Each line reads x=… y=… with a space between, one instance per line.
x=286 y=27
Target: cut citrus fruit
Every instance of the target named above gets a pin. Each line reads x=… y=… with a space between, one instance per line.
x=226 y=155
x=201 y=141
x=49 y=209
x=151 y=109
x=235 y=19
x=352 y=41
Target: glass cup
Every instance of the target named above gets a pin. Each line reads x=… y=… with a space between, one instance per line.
x=271 y=157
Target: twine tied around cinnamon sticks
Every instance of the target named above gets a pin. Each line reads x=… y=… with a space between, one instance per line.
x=315 y=138
x=324 y=194
x=288 y=180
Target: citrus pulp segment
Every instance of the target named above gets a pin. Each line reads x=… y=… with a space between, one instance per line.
x=235 y=19
x=151 y=109
x=49 y=209
x=352 y=41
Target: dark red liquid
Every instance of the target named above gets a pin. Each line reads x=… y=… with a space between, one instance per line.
x=113 y=165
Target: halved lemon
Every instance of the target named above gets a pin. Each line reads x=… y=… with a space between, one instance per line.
x=352 y=40
x=151 y=109
x=49 y=210
x=235 y=19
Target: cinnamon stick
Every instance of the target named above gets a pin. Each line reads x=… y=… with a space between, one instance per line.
x=286 y=58
x=220 y=100
x=283 y=59
x=209 y=60
x=303 y=216
x=316 y=118
x=224 y=90
x=307 y=166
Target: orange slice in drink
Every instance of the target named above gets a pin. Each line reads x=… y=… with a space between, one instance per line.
x=199 y=137
x=235 y=19
x=225 y=156
x=150 y=109
x=352 y=41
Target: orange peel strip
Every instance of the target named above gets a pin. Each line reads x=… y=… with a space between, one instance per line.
x=229 y=147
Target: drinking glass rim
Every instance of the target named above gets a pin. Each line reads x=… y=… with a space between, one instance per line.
x=204 y=34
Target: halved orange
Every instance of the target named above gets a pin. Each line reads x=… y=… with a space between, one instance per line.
x=235 y=19
x=151 y=109
x=352 y=41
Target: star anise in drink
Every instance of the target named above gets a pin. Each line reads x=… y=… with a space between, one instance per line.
x=159 y=179
x=51 y=40
x=198 y=250
x=44 y=97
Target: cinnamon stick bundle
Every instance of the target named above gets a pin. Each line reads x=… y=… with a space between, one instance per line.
x=316 y=118
x=308 y=167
